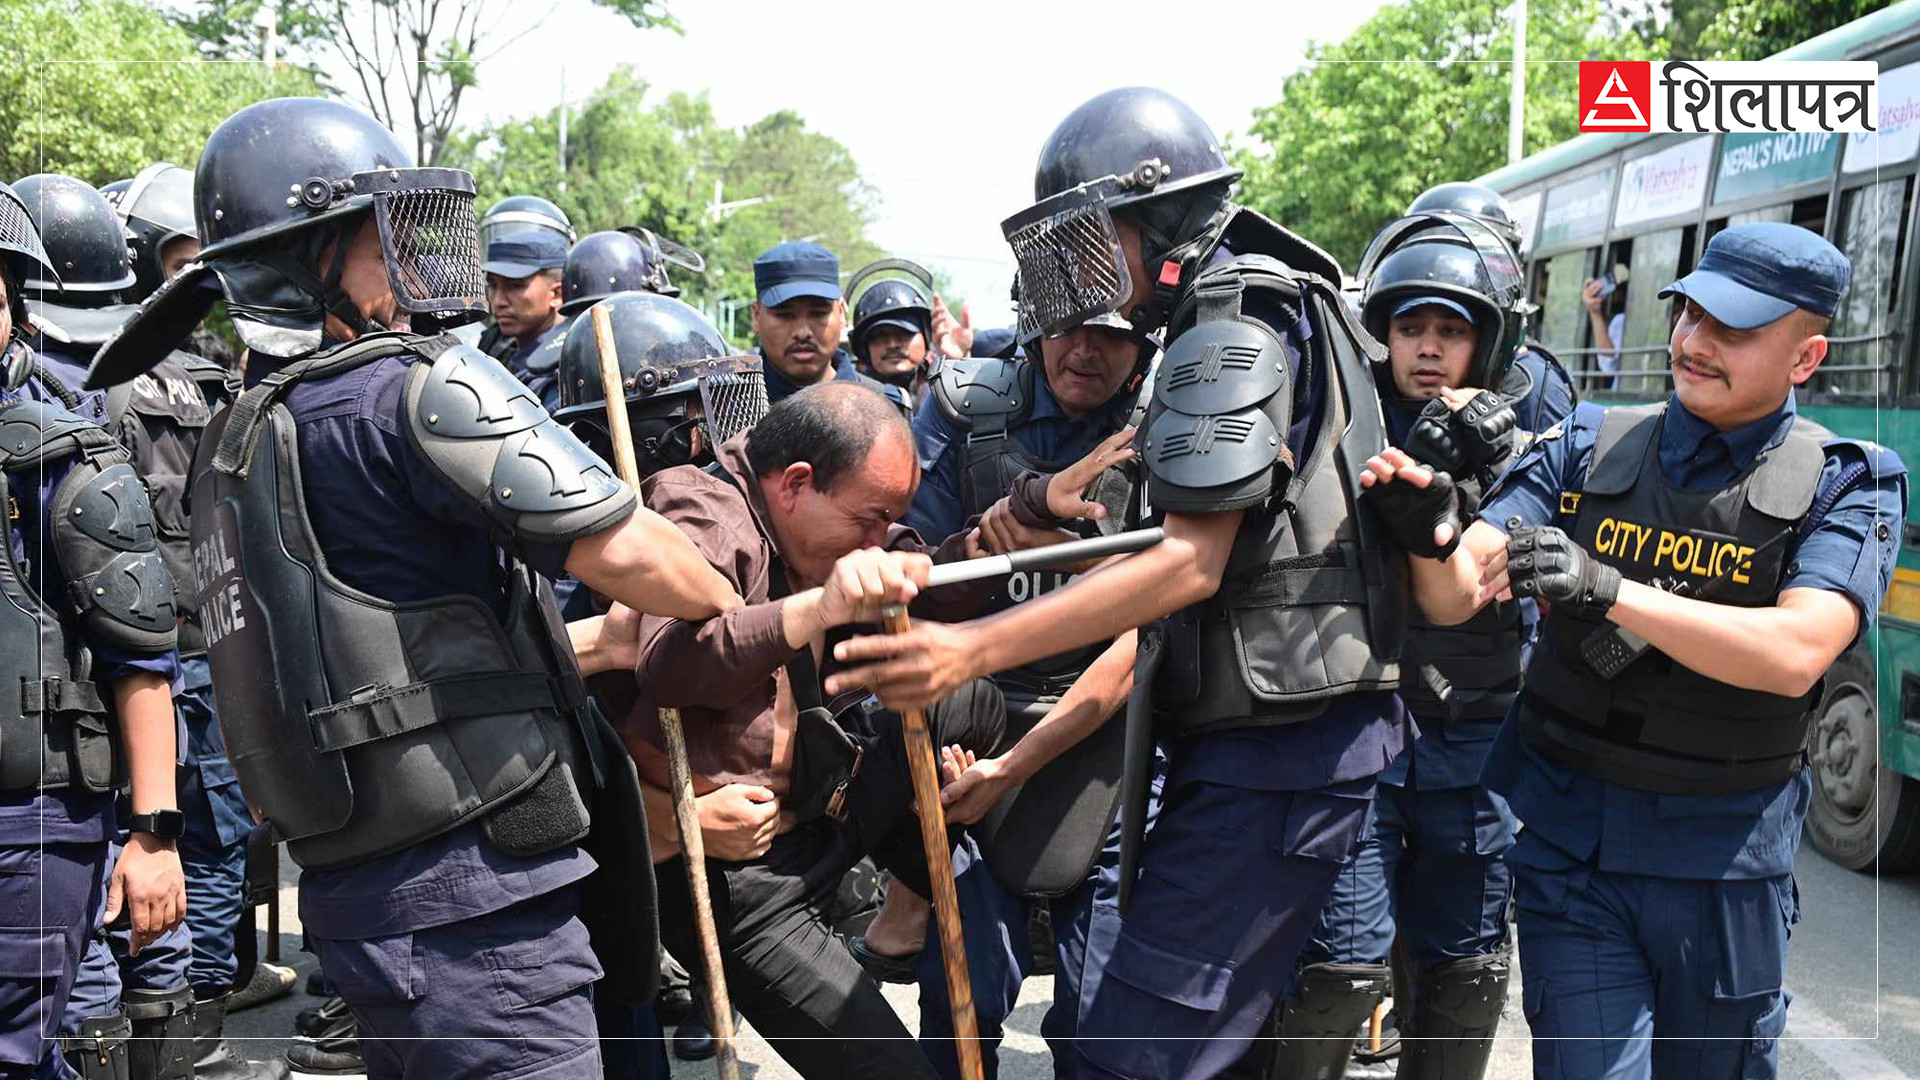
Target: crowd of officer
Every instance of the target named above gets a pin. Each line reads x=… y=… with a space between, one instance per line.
x=1431 y=657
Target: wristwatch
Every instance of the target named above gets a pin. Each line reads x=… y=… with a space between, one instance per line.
x=163 y=824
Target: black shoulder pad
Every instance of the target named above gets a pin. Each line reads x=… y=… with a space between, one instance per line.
x=978 y=386
x=103 y=532
x=547 y=357
x=41 y=432
x=1221 y=367
x=484 y=433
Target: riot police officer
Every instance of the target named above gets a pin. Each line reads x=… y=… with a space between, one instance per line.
x=799 y=315
x=448 y=774
x=1274 y=670
x=1045 y=803
x=523 y=292
x=600 y=265
x=1704 y=561
x=525 y=218
x=89 y=636
x=1446 y=297
x=892 y=331
x=157 y=423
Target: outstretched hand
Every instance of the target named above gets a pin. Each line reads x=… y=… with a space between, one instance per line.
x=1067 y=489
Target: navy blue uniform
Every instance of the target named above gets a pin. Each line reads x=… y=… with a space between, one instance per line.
x=544 y=384
x=457 y=959
x=779 y=386
x=1646 y=914
x=995 y=920
x=53 y=846
x=1429 y=867
x=1253 y=828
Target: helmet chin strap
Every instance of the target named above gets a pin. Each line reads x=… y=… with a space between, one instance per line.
x=328 y=291
x=1174 y=264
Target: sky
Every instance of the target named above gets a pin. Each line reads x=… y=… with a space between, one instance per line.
x=937 y=104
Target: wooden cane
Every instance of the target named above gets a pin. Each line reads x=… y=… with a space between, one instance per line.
x=686 y=817
x=1375 y=1025
x=946 y=898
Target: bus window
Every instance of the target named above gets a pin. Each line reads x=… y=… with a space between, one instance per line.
x=1563 y=316
x=1656 y=262
x=1872 y=233
x=1808 y=213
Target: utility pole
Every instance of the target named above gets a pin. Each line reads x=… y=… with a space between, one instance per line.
x=563 y=129
x=1517 y=107
x=270 y=36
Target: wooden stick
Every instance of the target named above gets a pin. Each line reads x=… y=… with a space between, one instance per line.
x=1374 y=1026
x=686 y=817
x=946 y=898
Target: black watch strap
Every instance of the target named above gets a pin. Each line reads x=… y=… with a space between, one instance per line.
x=164 y=824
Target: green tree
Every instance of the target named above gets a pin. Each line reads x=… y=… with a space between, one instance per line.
x=666 y=166
x=1756 y=29
x=100 y=89
x=1418 y=95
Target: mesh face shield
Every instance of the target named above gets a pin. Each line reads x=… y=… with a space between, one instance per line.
x=20 y=242
x=428 y=238
x=733 y=394
x=1071 y=264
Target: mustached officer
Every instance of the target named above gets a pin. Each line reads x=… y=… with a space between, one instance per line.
x=1277 y=656
x=373 y=514
x=89 y=637
x=1655 y=753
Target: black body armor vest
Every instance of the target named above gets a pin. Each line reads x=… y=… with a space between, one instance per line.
x=360 y=726
x=1658 y=725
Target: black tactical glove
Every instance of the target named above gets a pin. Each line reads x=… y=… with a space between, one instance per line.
x=1484 y=429
x=1412 y=513
x=1543 y=562
x=1435 y=440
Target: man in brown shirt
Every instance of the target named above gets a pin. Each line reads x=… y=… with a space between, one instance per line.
x=803 y=523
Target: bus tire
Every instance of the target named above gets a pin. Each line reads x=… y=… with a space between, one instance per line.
x=1862 y=816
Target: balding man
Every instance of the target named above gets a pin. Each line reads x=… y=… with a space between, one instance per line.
x=802 y=519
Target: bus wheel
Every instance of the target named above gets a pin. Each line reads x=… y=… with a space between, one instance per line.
x=1862 y=815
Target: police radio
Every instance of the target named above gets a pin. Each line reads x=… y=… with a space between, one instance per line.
x=1611 y=649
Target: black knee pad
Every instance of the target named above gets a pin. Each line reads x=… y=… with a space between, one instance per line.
x=162 y=1046
x=1453 y=1026
x=99 y=1051
x=1319 y=1023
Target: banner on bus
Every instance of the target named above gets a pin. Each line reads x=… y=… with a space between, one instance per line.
x=1699 y=96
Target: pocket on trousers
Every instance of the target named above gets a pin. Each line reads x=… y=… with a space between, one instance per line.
x=1155 y=1006
x=534 y=971
x=374 y=969
x=1762 y=1060
x=232 y=821
x=1752 y=921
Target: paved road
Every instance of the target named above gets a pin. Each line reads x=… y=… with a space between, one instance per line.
x=1856 y=1012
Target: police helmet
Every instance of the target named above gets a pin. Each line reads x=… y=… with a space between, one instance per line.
x=279 y=182
x=83 y=236
x=522 y=214
x=1474 y=200
x=1138 y=150
x=680 y=377
x=21 y=256
x=1459 y=261
x=156 y=207
x=605 y=263
x=892 y=302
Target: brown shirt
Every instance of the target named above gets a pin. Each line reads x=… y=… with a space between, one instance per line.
x=727 y=674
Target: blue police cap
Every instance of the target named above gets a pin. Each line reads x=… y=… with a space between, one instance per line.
x=1751 y=275
x=1412 y=302
x=796 y=268
x=525 y=254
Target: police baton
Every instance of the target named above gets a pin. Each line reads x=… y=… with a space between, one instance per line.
x=685 y=816
x=1041 y=558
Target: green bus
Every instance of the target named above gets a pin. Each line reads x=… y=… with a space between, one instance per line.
x=1637 y=210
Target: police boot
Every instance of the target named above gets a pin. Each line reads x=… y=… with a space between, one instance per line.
x=1459 y=1007
x=1320 y=1023
x=162 y=1046
x=99 y=1051
x=213 y=1059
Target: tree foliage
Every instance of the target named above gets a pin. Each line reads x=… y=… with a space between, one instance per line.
x=100 y=89
x=1365 y=127
x=1756 y=29
x=664 y=166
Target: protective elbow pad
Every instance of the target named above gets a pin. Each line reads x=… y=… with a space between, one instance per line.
x=1222 y=403
x=484 y=433
x=103 y=533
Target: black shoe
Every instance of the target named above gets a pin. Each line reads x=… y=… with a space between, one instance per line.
x=674 y=1005
x=317 y=984
x=269 y=982
x=314 y=1020
x=213 y=1059
x=335 y=1052
x=693 y=1040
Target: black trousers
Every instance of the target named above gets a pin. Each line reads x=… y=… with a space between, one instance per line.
x=786 y=971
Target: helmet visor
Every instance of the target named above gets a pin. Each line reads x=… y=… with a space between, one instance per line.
x=20 y=241
x=1071 y=263
x=428 y=237
x=733 y=393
